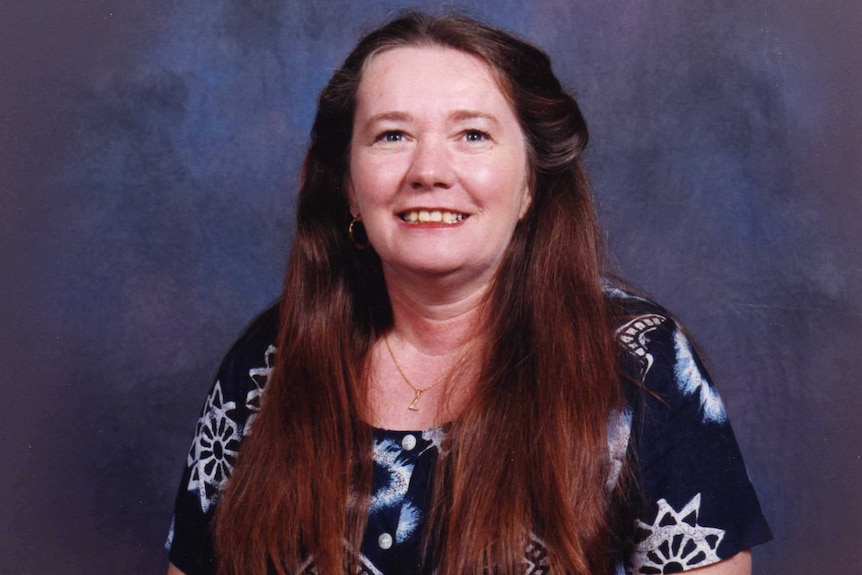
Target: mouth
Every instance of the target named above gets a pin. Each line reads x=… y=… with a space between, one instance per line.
x=432 y=217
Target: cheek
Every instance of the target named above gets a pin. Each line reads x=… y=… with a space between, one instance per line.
x=501 y=190
x=372 y=183
x=361 y=186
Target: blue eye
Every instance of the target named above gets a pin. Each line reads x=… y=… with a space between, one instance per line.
x=475 y=136
x=391 y=136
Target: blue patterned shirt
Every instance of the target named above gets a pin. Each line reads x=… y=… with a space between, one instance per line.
x=696 y=505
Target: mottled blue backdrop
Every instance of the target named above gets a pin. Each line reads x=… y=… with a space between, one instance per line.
x=149 y=154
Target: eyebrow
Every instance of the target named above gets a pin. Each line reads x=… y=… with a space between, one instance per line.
x=457 y=115
x=388 y=116
x=462 y=115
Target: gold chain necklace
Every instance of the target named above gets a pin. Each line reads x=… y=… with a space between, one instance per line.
x=418 y=391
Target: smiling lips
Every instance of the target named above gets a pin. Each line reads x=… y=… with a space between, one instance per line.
x=432 y=217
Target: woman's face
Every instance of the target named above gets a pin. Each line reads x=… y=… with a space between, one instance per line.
x=438 y=163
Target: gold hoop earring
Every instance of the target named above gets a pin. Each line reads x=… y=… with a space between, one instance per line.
x=352 y=231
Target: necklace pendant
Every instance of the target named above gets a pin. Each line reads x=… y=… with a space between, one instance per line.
x=414 y=405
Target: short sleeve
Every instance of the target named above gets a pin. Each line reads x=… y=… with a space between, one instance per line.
x=227 y=416
x=697 y=503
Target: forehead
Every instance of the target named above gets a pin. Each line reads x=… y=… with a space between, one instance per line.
x=426 y=72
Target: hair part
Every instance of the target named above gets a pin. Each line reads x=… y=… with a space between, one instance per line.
x=535 y=427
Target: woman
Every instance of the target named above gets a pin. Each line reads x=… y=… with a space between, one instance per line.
x=449 y=385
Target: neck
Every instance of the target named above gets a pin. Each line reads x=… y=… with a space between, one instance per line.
x=434 y=319
x=435 y=339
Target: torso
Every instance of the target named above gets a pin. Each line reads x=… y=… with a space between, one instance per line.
x=691 y=481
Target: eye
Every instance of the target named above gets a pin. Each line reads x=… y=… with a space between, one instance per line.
x=390 y=136
x=476 y=136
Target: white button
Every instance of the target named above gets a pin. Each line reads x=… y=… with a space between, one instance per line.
x=409 y=442
x=385 y=541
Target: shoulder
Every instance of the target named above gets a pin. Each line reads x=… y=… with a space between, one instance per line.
x=695 y=498
x=658 y=355
x=231 y=406
x=252 y=349
x=227 y=415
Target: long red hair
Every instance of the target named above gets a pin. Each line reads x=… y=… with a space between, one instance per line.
x=534 y=432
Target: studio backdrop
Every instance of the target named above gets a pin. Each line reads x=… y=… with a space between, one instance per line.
x=149 y=161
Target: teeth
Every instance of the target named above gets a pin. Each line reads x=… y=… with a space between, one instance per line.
x=432 y=216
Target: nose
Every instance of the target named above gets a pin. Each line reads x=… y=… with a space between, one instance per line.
x=431 y=167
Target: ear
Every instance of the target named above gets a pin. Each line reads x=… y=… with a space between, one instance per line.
x=351 y=198
x=526 y=201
